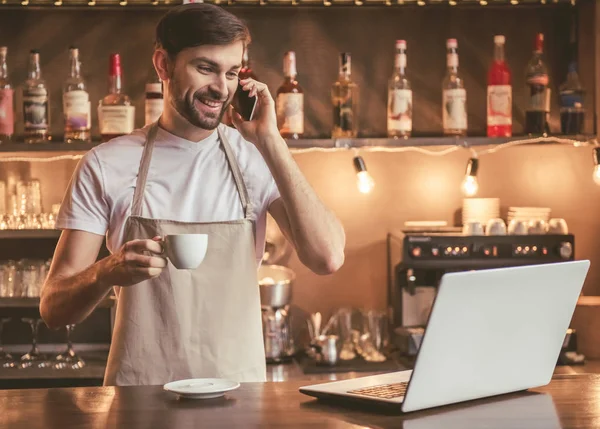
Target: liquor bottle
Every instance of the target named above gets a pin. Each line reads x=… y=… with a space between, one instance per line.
x=246 y=70
x=538 y=108
x=499 y=93
x=153 y=103
x=454 y=99
x=76 y=103
x=399 y=111
x=116 y=115
x=36 y=115
x=290 y=101
x=344 y=97
x=7 y=112
x=572 y=113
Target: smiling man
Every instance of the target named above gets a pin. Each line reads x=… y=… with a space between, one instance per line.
x=187 y=173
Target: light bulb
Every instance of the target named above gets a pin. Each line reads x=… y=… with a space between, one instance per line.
x=597 y=174
x=365 y=182
x=470 y=186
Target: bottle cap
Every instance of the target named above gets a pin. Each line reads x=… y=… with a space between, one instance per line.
x=451 y=43
x=499 y=39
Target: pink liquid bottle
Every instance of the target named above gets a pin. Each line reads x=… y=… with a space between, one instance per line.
x=499 y=94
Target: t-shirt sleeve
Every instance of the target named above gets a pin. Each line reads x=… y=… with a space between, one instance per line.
x=84 y=206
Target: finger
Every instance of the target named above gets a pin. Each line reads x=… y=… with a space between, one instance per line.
x=146 y=261
x=262 y=91
x=236 y=118
x=147 y=272
x=140 y=246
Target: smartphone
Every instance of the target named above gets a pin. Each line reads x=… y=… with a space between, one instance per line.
x=243 y=103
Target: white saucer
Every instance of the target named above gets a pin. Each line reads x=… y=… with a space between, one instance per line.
x=201 y=388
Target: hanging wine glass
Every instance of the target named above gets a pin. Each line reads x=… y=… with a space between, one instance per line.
x=34 y=357
x=6 y=359
x=69 y=359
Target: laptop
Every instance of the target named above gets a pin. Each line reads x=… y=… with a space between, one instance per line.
x=490 y=332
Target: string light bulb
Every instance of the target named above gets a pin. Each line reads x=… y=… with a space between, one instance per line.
x=596 y=174
x=470 y=186
x=364 y=181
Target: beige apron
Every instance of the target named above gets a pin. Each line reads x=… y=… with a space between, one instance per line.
x=191 y=323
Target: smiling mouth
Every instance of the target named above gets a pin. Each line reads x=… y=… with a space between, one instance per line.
x=210 y=103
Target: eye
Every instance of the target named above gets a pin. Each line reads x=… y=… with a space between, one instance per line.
x=232 y=75
x=203 y=69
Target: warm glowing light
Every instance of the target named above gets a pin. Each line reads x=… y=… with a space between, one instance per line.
x=597 y=174
x=470 y=186
x=364 y=182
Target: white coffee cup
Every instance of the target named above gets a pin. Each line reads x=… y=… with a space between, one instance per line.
x=186 y=251
x=473 y=228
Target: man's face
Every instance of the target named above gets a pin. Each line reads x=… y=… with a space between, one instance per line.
x=202 y=82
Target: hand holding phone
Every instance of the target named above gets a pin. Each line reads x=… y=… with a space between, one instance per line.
x=243 y=103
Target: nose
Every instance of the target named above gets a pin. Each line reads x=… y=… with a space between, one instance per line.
x=219 y=84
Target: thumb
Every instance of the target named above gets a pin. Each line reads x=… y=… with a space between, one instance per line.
x=236 y=118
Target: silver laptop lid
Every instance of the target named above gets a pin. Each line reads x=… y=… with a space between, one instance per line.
x=494 y=331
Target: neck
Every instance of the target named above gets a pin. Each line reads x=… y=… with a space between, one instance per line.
x=174 y=123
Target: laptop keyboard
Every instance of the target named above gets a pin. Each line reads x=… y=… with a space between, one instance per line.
x=384 y=391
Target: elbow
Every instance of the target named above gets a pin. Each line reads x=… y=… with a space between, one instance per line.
x=49 y=314
x=324 y=264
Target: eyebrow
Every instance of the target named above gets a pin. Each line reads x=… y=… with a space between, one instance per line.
x=213 y=63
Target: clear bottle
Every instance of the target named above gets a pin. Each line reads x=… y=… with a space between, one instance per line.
x=36 y=115
x=290 y=101
x=116 y=115
x=7 y=111
x=454 y=99
x=538 y=108
x=76 y=103
x=153 y=102
x=572 y=113
x=399 y=111
x=499 y=93
x=344 y=97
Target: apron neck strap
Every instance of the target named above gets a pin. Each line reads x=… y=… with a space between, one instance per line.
x=140 y=186
x=237 y=174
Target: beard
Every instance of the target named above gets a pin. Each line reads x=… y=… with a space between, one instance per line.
x=186 y=106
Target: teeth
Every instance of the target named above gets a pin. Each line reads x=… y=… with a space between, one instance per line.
x=210 y=103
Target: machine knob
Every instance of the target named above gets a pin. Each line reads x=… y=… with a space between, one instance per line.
x=416 y=251
x=566 y=250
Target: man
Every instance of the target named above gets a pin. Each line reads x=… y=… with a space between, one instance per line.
x=186 y=174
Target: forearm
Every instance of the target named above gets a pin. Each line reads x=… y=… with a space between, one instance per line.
x=69 y=299
x=316 y=233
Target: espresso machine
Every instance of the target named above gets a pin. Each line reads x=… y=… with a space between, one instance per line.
x=427 y=256
x=275 y=283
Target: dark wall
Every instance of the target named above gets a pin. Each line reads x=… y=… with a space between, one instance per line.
x=317 y=35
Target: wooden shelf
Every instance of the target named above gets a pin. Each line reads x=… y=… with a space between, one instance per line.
x=163 y=4
x=46 y=147
x=29 y=233
x=329 y=143
x=22 y=302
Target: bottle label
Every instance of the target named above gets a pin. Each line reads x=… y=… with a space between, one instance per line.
x=343 y=112
x=454 y=115
x=399 y=110
x=116 y=119
x=35 y=109
x=77 y=110
x=452 y=60
x=155 y=87
x=7 y=121
x=499 y=105
x=153 y=108
x=400 y=61
x=290 y=113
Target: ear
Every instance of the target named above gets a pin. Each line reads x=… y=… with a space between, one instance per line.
x=161 y=61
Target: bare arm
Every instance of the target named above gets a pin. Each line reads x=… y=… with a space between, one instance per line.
x=312 y=228
x=76 y=283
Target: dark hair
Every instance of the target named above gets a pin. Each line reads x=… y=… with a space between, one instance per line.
x=196 y=24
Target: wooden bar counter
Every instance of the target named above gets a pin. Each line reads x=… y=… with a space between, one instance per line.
x=569 y=401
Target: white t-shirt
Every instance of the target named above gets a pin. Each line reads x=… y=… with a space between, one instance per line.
x=187 y=181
